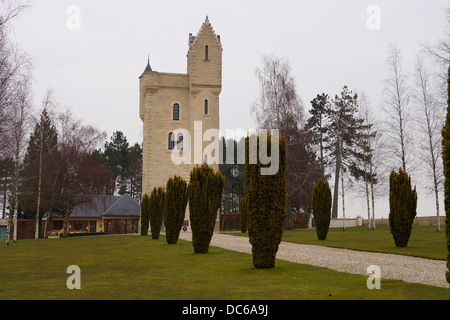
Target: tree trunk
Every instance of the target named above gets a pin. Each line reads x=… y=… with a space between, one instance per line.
x=49 y=216
x=322 y=165
x=372 y=194
x=343 y=195
x=334 y=212
x=16 y=208
x=436 y=193
x=66 y=220
x=8 y=227
x=16 y=191
x=38 y=207
x=368 y=202
x=4 y=197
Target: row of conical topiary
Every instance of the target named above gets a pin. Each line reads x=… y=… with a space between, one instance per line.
x=203 y=193
x=402 y=204
x=264 y=203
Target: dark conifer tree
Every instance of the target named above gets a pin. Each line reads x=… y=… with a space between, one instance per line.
x=205 y=196
x=266 y=198
x=402 y=205
x=145 y=214
x=175 y=207
x=321 y=206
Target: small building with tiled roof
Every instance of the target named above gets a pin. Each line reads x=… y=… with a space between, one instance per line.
x=102 y=213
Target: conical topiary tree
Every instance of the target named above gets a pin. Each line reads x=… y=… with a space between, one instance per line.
x=205 y=195
x=145 y=214
x=446 y=159
x=243 y=212
x=402 y=205
x=265 y=197
x=175 y=208
x=156 y=204
x=321 y=206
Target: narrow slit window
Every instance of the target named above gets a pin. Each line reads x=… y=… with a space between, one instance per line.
x=171 y=141
x=176 y=111
x=206 y=107
x=206 y=52
x=180 y=141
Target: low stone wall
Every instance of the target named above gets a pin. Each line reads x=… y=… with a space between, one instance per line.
x=422 y=221
x=352 y=222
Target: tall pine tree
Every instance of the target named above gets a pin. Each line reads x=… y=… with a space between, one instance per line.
x=343 y=132
x=316 y=124
x=40 y=170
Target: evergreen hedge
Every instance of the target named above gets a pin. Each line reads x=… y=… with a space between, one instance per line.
x=205 y=195
x=266 y=197
x=446 y=159
x=145 y=214
x=176 y=201
x=321 y=206
x=156 y=211
x=243 y=212
x=402 y=205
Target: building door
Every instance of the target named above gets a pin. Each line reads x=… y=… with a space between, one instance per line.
x=92 y=226
x=2 y=232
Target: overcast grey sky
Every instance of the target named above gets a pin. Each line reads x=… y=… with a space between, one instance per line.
x=95 y=69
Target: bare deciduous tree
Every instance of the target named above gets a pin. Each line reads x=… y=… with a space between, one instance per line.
x=82 y=175
x=369 y=145
x=10 y=9
x=398 y=110
x=19 y=122
x=279 y=107
x=430 y=120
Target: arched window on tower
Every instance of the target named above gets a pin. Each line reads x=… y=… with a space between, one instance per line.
x=206 y=107
x=206 y=52
x=176 y=111
x=171 y=141
x=180 y=141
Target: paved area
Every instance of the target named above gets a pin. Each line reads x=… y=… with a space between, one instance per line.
x=392 y=266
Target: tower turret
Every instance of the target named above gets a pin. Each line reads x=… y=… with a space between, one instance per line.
x=148 y=84
x=204 y=59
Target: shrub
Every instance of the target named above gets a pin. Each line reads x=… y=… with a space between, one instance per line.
x=446 y=159
x=145 y=214
x=243 y=212
x=402 y=205
x=265 y=197
x=321 y=206
x=176 y=201
x=205 y=195
x=156 y=211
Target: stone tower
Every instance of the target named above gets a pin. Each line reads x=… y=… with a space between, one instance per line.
x=177 y=109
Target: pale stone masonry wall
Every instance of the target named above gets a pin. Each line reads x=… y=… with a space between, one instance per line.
x=158 y=94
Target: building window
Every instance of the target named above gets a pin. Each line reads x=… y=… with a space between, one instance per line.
x=176 y=111
x=180 y=141
x=206 y=52
x=57 y=224
x=206 y=107
x=205 y=159
x=171 y=141
x=78 y=225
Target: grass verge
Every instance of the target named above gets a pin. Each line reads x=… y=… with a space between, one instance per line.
x=137 y=267
x=424 y=242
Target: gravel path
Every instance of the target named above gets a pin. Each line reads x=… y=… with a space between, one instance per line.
x=392 y=266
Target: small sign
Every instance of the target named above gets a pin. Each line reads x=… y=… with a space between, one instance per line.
x=184 y=228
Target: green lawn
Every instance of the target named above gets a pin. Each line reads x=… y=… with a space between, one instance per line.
x=137 y=267
x=424 y=242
